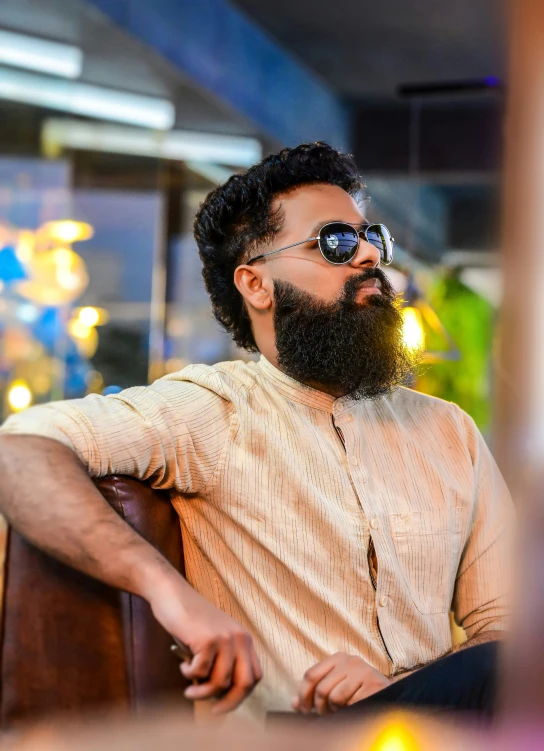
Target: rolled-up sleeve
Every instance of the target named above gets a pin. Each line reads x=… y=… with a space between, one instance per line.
x=171 y=433
x=483 y=587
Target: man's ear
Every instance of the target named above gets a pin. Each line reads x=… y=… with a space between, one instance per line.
x=253 y=287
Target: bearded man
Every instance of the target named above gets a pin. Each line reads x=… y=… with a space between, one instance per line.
x=331 y=517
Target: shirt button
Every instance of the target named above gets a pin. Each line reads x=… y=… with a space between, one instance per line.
x=354 y=461
x=374 y=523
x=384 y=599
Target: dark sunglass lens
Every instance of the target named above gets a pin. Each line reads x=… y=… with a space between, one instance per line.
x=378 y=236
x=338 y=242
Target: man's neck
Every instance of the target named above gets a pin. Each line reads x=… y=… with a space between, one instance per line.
x=272 y=358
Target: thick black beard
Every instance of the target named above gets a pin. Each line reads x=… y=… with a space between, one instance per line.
x=344 y=347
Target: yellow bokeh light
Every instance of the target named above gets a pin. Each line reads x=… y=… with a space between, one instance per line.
x=67 y=231
x=413 y=333
x=80 y=330
x=86 y=337
x=67 y=279
x=395 y=736
x=63 y=257
x=88 y=345
x=57 y=277
x=89 y=316
x=19 y=396
x=25 y=246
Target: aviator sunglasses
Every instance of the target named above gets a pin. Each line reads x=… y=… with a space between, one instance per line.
x=339 y=241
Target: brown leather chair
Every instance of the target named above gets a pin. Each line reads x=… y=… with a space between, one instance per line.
x=71 y=644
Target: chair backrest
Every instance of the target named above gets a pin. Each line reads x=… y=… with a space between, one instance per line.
x=69 y=643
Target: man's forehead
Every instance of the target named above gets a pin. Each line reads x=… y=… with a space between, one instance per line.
x=315 y=205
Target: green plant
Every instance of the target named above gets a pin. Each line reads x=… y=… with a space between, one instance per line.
x=469 y=319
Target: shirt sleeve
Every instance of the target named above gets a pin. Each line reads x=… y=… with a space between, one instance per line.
x=171 y=433
x=482 y=590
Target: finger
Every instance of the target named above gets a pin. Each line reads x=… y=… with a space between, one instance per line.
x=256 y=665
x=309 y=682
x=363 y=693
x=324 y=688
x=342 y=693
x=220 y=678
x=243 y=682
x=201 y=665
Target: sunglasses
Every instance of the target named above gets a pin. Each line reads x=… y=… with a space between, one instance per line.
x=339 y=242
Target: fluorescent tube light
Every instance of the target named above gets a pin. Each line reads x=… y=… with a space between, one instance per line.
x=183 y=145
x=22 y=51
x=86 y=99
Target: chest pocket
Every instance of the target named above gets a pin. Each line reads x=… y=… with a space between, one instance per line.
x=428 y=548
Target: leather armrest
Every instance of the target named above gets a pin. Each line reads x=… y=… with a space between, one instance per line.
x=70 y=643
x=152 y=669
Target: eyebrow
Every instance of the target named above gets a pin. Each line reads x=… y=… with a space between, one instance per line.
x=322 y=223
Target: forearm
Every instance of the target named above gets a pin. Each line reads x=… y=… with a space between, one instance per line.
x=48 y=497
x=46 y=494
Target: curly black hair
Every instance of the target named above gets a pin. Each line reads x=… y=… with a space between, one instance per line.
x=236 y=217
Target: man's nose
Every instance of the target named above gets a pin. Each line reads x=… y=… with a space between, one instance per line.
x=367 y=255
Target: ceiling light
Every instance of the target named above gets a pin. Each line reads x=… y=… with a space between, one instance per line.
x=66 y=231
x=22 y=51
x=86 y=99
x=180 y=145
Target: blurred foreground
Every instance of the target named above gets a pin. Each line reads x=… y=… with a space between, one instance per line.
x=165 y=730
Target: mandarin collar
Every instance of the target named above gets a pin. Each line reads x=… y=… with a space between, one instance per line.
x=299 y=392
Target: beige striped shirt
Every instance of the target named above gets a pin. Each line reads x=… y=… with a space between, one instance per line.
x=282 y=491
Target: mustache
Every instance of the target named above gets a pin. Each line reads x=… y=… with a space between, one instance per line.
x=288 y=297
x=355 y=282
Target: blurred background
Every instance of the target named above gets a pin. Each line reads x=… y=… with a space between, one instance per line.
x=119 y=116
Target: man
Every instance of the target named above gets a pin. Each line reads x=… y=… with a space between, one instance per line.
x=331 y=518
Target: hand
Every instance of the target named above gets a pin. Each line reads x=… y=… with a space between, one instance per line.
x=336 y=682
x=224 y=659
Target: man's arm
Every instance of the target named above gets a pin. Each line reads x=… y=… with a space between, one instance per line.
x=481 y=601
x=47 y=495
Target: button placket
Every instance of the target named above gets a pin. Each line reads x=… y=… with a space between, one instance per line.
x=358 y=478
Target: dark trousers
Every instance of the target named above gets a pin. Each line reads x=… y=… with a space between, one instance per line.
x=463 y=681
